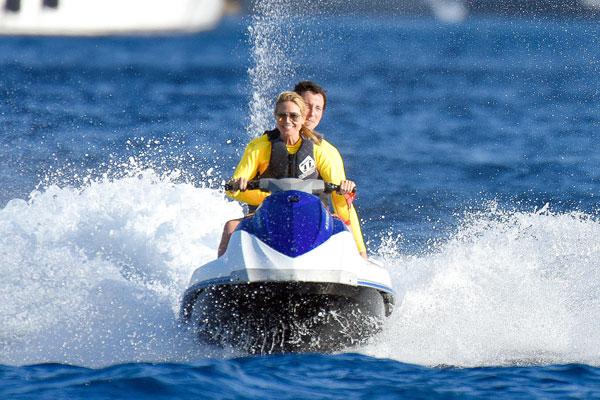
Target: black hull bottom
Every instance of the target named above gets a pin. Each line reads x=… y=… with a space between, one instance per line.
x=265 y=318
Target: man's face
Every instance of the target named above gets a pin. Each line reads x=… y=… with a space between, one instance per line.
x=315 y=104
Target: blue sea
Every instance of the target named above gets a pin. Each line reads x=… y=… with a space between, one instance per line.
x=474 y=147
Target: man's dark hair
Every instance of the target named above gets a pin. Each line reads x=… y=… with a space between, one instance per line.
x=310 y=86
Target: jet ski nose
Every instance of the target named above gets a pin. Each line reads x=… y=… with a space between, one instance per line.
x=292 y=222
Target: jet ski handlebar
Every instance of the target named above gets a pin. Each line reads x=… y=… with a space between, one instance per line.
x=313 y=186
x=233 y=186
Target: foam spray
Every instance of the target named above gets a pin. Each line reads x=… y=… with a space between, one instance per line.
x=272 y=44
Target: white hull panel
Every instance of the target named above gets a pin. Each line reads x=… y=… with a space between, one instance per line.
x=250 y=260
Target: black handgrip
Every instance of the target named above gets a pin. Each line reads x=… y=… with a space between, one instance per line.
x=232 y=186
x=332 y=187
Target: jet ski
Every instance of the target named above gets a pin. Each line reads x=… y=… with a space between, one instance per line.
x=291 y=280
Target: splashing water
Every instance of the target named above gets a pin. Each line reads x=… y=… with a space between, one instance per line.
x=277 y=42
x=271 y=46
x=93 y=275
x=197 y=164
x=508 y=288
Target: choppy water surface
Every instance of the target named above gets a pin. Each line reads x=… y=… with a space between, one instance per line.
x=474 y=147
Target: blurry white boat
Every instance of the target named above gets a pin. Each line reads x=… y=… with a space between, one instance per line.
x=449 y=11
x=593 y=4
x=107 y=17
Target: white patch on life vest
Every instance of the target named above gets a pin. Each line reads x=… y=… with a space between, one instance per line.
x=307 y=167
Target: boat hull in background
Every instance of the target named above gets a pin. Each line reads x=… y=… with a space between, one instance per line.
x=107 y=17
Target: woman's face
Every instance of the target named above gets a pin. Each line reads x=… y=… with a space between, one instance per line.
x=289 y=120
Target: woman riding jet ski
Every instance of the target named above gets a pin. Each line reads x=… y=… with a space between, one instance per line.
x=293 y=150
x=292 y=278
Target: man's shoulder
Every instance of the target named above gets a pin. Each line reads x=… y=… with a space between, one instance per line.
x=327 y=147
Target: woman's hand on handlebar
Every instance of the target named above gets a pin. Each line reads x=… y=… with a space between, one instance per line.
x=346 y=187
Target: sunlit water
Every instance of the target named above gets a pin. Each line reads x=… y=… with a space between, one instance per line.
x=473 y=146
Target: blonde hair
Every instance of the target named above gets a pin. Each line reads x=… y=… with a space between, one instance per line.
x=299 y=101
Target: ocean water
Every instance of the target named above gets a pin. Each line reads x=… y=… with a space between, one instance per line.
x=474 y=147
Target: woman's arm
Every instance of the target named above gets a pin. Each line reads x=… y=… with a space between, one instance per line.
x=254 y=160
x=331 y=168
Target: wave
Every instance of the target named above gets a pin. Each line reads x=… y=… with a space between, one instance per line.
x=508 y=288
x=93 y=276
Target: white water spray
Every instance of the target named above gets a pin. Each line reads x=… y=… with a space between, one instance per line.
x=509 y=288
x=271 y=48
x=93 y=275
x=278 y=45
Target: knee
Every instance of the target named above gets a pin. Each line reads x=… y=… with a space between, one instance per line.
x=231 y=225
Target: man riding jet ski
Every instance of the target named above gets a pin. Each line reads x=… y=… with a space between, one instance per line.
x=291 y=280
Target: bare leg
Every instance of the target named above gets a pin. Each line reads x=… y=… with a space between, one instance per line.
x=227 y=232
